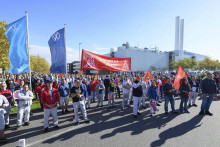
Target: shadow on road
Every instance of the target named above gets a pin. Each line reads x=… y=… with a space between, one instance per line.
x=178 y=130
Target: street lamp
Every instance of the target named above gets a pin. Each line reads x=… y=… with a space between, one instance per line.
x=79 y=50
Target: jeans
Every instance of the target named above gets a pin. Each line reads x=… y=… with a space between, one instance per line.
x=172 y=102
x=93 y=93
x=183 y=101
x=118 y=91
x=206 y=102
x=161 y=91
x=106 y=94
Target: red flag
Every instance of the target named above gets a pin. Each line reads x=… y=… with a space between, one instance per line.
x=92 y=61
x=180 y=75
x=95 y=77
x=81 y=72
x=148 y=76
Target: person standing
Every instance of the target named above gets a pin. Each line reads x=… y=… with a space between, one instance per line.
x=64 y=95
x=112 y=90
x=137 y=96
x=106 y=84
x=88 y=87
x=24 y=105
x=50 y=98
x=78 y=102
x=208 y=87
x=7 y=93
x=153 y=95
x=3 y=104
x=169 y=91
x=117 y=82
x=194 y=92
x=126 y=85
x=100 y=88
x=184 y=93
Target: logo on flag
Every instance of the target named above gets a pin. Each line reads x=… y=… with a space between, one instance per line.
x=125 y=66
x=13 y=28
x=90 y=63
x=148 y=76
x=180 y=75
x=56 y=36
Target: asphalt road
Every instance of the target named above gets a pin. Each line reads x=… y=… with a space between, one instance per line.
x=116 y=127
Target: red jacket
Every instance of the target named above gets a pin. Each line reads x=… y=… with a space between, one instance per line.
x=56 y=86
x=7 y=93
x=93 y=84
x=39 y=89
x=45 y=97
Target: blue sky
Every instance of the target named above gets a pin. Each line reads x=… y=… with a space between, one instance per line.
x=103 y=24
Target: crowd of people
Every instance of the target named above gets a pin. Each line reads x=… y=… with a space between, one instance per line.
x=53 y=90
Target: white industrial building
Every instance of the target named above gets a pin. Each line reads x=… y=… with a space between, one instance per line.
x=143 y=59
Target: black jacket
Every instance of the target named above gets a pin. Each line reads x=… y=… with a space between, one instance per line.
x=166 y=88
x=184 y=87
x=197 y=85
x=137 y=89
x=208 y=86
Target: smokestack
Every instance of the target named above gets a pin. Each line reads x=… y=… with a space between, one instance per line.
x=177 y=33
x=181 y=34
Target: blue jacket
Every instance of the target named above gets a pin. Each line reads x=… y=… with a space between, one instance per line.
x=153 y=93
x=64 y=90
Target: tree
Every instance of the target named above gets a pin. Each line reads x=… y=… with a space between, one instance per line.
x=39 y=64
x=209 y=64
x=4 y=47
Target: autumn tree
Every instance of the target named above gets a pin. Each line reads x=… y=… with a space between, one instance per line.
x=39 y=64
x=209 y=64
x=4 y=47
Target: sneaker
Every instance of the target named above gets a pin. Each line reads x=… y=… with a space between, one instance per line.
x=151 y=115
x=122 y=108
x=3 y=140
x=26 y=124
x=31 y=113
x=46 y=130
x=76 y=123
x=158 y=104
x=189 y=105
x=139 y=113
x=7 y=127
x=87 y=121
x=144 y=107
x=128 y=106
x=67 y=111
x=88 y=108
x=62 y=112
x=166 y=113
x=194 y=105
x=97 y=106
x=208 y=113
x=56 y=127
x=187 y=111
x=135 y=116
x=160 y=101
x=17 y=127
x=201 y=112
x=175 y=112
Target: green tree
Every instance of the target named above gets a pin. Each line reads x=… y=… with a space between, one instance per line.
x=4 y=47
x=209 y=64
x=39 y=64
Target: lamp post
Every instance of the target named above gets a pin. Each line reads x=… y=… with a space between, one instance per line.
x=79 y=50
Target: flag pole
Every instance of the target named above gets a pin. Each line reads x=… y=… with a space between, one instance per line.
x=28 y=49
x=65 y=46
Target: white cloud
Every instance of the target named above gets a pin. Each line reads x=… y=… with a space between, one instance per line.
x=44 y=51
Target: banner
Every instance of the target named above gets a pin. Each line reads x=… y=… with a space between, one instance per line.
x=148 y=76
x=180 y=74
x=18 y=57
x=58 y=52
x=91 y=61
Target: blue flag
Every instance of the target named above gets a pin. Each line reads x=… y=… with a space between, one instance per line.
x=58 y=52
x=18 y=57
